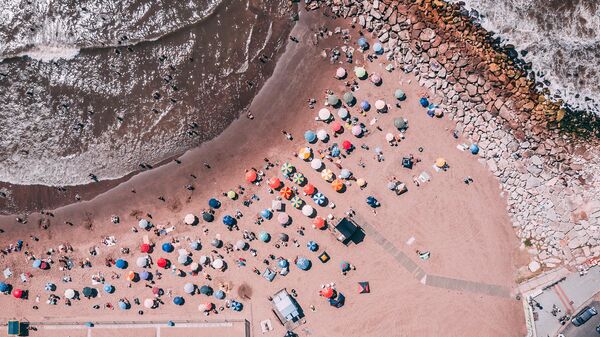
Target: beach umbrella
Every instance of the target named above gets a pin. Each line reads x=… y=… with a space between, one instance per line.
x=240 y=244
x=132 y=276
x=307 y=210
x=298 y=178
x=286 y=192
x=310 y=136
x=144 y=224
x=296 y=202
x=231 y=195
x=378 y=48
x=424 y=102
x=228 y=220
x=194 y=267
x=343 y=112
x=309 y=189
x=333 y=100
x=287 y=168
x=167 y=247
x=319 y=198
x=389 y=137
x=4 y=287
x=380 y=105
x=324 y=115
x=195 y=245
x=218 y=264
x=283 y=218
x=149 y=303
x=399 y=94
x=18 y=293
x=346 y=145
x=283 y=263
x=327 y=292
x=400 y=123
x=70 y=294
x=178 y=300
x=145 y=275
x=284 y=237
x=391 y=185
x=327 y=174
x=322 y=135
x=251 y=176
x=316 y=164
x=336 y=127
x=319 y=222
x=361 y=182
x=219 y=294
x=141 y=261
x=474 y=149
x=236 y=306
x=360 y=72
x=348 y=98
x=205 y=306
x=216 y=243
x=312 y=246
x=376 y=79
x=335 y=151
x=365 y=105
x=145 y=248
x=214 y=203
x=304 y=153
x=88 y=292
x=266 y=214
x=207 y=217
x=37 y=263
x=189 y=288
x=362 y=42
x=204 y=260
x=337 y=185
x=345 y=173
x=48 y=287
x=371 y=201
x=274 y=183
x=206 y=290
x=162 y=262
x=303 y=263
x=121 y=264
x=264 y=236
x=183 y=259
x=340 y=73
x=189 y=219
x=123 y=305
x=357 y=130
x=440 y=162
x=344 y=266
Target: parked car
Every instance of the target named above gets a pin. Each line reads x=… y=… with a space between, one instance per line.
x=584 y=315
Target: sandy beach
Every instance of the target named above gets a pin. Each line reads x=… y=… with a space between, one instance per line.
x=474 y=252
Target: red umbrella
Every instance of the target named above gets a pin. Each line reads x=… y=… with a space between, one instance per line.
x=18 y=293
x=274 y=182
x=162 y=262
x=327 y=292
x=309 y=189
x=251 y=176
x=145 y=248
x=346 y=145
x=286 y=192
x=156 y=290
x=319 y=223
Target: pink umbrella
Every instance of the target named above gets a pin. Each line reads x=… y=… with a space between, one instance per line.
x=356 y=130
x=340 y=72
x=283 y=218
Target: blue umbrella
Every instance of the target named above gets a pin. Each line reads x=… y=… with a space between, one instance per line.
x=474 y=149
x=283 y=263
x=171 y=323
x=310 y=136
x=219 y=294
x=207 y=217
x=144 y=275
x=365 y=105
x=214 y=203
x=123 y=305
x=424 y=102
x=178 y=300
x=362 y=42
x=228 y=220
x=144 y=224
x=206 y=290
x=236 y=306
x=319 y=198
x=312 y=246
x=121 y=264
x=48 y=287
x=167 y=247
x=371 y=201
x=335 y=151
x=109 y=288
x=378 y=48
x=265 y=213
x=3 y=287
x=37 y=263
x=195 y=245
x=303 y=263
x=264 y=236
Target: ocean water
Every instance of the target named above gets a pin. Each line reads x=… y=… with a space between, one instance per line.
x=100 y=87
x=561 y=39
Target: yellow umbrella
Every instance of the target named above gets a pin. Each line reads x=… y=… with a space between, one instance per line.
x=231 y=195
x=440 y=162
x=361 y=182
x=304 y=153
x=327 y=174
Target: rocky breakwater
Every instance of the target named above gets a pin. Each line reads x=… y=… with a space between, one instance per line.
x=547 y=174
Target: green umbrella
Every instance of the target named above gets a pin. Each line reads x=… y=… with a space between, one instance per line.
x=348 y=98
x=298 y=178
x=400 y=123
x=360 y=72
x=333 y=100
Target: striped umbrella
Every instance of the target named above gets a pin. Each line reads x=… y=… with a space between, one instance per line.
x=327 y=174
x=298 y=178
x=287 y=168
x=319 y=198
x=296 y=202
x=286 y=192
x=337 y=185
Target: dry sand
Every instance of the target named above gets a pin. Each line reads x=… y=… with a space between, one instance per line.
x=464 y=226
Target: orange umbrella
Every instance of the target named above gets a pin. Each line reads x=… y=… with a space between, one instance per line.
x=319 y=223
x=286 y=192
x=131 y=276
x=251 y=176
x=274 y=182
x=309 y=189
x=337 y=185
x=327 y=292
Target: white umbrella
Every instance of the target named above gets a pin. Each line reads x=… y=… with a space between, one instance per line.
x=340 y=72
x=189 y=219
x=142 y=261
x=379 y=104
x=316 y=164
x=194 y=267
x=240 y=244
x=70 y=294
x=345 y=173
x=389 y=137
x=324 y=114
x=322 y=134
x=356 y=130
x=143 y=223
x=189 y=288
x=343 y=113
x=204 y=259
x=218 y=264
x=149 y=303
x=183 y=259
x=307 y=210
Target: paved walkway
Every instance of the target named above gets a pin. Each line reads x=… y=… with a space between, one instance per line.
x=433 y=280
